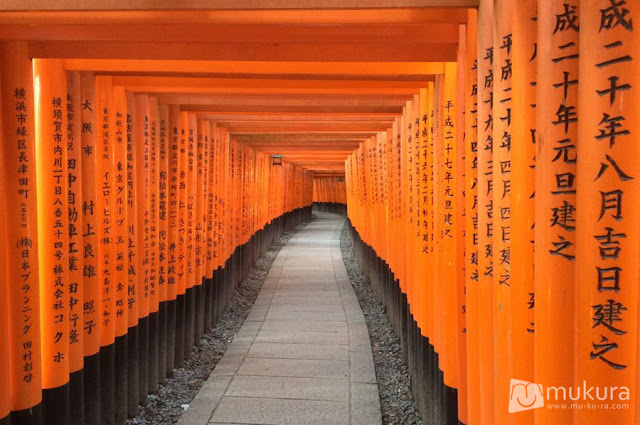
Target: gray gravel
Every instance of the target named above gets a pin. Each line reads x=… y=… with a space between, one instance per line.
x=171 y=400
x=392 y=374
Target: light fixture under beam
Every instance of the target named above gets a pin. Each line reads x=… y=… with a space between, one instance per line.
x=276 y=160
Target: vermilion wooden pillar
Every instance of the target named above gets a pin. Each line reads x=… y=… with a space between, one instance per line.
x=448 y=203
x=133 y=270
x=204 y=232
x=523 y=169
x=90 y=280
x=425 y=259
x=608 y=200
x=105 y=171
x=471 y=219
x=555 y=185
x=21 y=238
x=140 y=127
x=410 y=193
x=120 y=235
x=414 y=230
x=224 y=189
x=181 y=237
x=164 y=135
x=53 y=236
x=190 y=123
x=431 y=260
x=152 y=243
x=502 y=113
x=173 y=183
x=214 y=211
x=232 y=192
x=76 y=261
x=486 y=211
x=200 y=235
x=461 y=284
x=405 y=200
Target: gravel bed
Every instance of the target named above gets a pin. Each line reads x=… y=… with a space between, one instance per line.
x=392 y=374
x=172 y=398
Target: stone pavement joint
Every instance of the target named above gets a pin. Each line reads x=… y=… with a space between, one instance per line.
x=303 y=356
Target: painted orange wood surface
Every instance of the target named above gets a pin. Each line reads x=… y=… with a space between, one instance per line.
x=485 y=154
x=53 y=218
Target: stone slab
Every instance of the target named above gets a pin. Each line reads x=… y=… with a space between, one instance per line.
x=297 y=337
x=306 y=315
x=304 y=326
x=249 y=410
x=299 y=351
x=292 y=388
x=301 y=368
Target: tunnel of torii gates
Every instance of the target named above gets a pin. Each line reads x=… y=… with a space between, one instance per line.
x=486 y=153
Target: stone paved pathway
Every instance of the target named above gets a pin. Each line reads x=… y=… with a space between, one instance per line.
x=303 y=356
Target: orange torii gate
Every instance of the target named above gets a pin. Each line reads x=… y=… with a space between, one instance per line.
x=112 y=269
x=546 y=305
x=490 y=182
x=330 y=193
